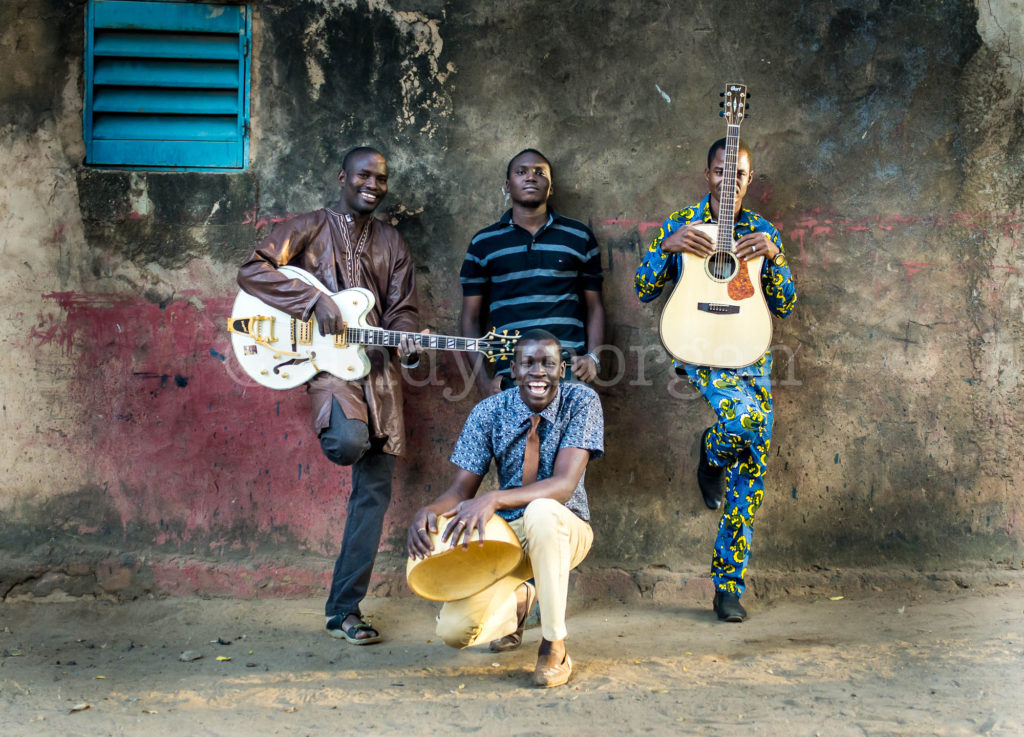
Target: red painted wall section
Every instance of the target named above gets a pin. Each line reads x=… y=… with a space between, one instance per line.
x=195 y=454
x=185 y=444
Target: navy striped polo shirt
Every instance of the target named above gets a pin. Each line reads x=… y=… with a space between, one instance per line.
x=534 y=281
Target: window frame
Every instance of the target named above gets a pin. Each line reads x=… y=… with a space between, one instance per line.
x=122 y=69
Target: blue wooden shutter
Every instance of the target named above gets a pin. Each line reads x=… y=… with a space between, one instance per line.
x=167 y=84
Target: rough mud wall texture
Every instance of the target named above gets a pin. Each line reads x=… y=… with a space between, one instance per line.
x=886 y=141
x=888 y=149
x=42 y=244
x=131 y=436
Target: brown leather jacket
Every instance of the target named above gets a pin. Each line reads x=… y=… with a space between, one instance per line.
x=315 y=242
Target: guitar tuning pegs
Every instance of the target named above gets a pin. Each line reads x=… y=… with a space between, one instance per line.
x=721 y=94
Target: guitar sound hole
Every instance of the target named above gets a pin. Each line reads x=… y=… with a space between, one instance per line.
x=721 y=266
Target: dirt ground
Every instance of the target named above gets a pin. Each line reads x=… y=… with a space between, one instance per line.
x=878 y=663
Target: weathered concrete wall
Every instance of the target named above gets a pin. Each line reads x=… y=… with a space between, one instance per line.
x=888 y=149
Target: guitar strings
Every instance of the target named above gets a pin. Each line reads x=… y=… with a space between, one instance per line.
x=391 y=338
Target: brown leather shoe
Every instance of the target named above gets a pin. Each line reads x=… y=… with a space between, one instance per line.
x=514 y=640
x=553 y=675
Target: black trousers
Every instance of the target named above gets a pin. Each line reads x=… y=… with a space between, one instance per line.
x=347 y=443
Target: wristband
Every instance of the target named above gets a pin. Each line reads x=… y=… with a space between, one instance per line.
x=594 y=358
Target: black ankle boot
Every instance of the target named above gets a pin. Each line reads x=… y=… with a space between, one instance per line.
x=728 y=607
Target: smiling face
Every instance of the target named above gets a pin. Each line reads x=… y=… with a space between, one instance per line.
x=364 y=183
x=715 y=175
x=529 y=180
x=537 y=368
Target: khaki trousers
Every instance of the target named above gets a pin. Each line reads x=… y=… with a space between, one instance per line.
x=555 y=541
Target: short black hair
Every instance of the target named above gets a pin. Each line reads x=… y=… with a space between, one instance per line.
x=537 y=335
x=358 y=151
x=720 y=144
x=508 y=169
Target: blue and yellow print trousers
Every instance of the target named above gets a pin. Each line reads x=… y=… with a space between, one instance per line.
x=739 y=441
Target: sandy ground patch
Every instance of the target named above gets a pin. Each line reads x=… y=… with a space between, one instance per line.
x=912 y=663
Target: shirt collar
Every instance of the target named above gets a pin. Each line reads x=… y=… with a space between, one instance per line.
x=553 y=217
x=705 y=210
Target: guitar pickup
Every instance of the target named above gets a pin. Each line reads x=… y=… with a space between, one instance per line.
x=717 y=308
x=302 y=332
x=341 y=339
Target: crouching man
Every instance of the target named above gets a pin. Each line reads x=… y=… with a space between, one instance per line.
x=541 y=435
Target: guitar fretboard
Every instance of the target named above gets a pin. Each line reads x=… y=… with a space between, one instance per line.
x=727 y=205
x=733 y=111
x=392 y=338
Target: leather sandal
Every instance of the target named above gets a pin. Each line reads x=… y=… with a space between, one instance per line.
x=514 y=640
x=336 y=628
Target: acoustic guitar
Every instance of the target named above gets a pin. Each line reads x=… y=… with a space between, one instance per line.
x=717 y=314
x=281 y=352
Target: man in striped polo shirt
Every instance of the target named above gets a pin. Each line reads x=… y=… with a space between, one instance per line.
x=534 y=268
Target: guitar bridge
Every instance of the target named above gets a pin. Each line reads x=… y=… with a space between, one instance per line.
x=717 y=308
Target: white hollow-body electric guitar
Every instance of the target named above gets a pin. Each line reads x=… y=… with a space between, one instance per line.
x=281 y=352
x=717 y=314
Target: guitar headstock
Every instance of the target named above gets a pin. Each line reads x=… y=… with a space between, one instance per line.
x=734 y=106
x=497 y=345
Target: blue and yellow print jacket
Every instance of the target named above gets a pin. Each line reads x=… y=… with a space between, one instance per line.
x=659 y=267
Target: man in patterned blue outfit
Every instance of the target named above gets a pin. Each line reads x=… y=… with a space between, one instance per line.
x=733 y=451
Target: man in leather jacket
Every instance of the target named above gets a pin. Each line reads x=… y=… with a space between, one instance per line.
x=359 y=423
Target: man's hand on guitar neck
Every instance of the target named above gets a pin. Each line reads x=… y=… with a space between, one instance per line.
x=409 y=348
x=689 y=240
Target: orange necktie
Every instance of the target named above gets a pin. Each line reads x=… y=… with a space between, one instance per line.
x=531 y=456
